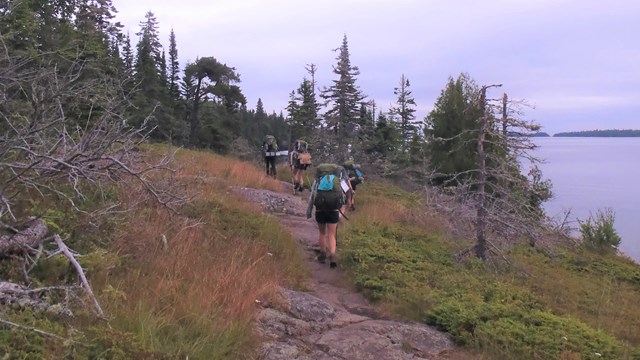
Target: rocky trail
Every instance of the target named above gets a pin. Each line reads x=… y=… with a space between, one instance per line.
x=331 y=320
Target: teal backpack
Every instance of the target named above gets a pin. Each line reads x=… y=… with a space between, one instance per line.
x=328 y=193
x=354 y=171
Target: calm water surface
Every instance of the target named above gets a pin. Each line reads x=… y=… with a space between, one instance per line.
x=594 y=173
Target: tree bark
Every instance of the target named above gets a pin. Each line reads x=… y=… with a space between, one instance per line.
x=25 y=240
x=481 y=215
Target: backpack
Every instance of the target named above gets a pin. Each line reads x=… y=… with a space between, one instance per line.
x=301 y=146
x=354 y=171
x=328 y=192
x=305 y=158
x=270 y=144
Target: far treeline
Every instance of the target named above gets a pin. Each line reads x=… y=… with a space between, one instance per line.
x=600 y=133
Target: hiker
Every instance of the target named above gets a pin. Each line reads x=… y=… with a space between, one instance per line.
x=328 y=197
x=355 y=178
x=270 y=148
x=299 y=161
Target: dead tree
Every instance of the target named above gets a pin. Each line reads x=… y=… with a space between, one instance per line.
x=505 y=201
x=63 y=129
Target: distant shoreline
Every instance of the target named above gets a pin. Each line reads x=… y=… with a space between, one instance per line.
x=593 y=133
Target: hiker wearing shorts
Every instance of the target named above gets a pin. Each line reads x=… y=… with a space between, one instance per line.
x=327 y=196
x=299 y=161
x=355 y=178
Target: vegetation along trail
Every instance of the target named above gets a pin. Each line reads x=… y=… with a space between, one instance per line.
x=331 y=320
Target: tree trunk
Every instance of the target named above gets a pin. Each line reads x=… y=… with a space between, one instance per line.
x=195 y=119
x=481 y=215
x=25 y=240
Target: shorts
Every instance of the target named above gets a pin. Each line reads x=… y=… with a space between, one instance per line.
x=354 y=183
x=300 y=166
x=327 y=217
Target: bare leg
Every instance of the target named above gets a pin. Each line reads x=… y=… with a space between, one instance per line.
x=331 y=237
x=322 y=239
x=299 y=179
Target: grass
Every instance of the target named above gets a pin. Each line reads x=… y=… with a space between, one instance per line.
x=198 y=275
x=574 y=304
x=185 y=283
x=176 y=284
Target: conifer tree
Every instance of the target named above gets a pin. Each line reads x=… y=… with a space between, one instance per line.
x=307 y=116
x=404 y=111
x=148 y=58
x=127 y=55
x=344 y=98
x=206 y=78
x=451 y=127
x=174 y=67
x=260 y=113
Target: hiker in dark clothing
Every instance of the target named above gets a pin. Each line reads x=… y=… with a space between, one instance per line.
x=270 y=149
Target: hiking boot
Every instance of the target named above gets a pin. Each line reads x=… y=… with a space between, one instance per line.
x=352 y=208
x=322 y=257
x=332 y=261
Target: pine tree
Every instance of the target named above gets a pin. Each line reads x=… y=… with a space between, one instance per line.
x=99 y=34
x=209 y=78
x=307 y=116
x=127 y=55
x=404 y=111
x=148 y=58
x=260 y=113
x=174 y=67
x=344 y=98
x=451 y=130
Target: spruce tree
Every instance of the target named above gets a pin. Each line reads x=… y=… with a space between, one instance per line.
x=174 y=67
x=307 y=116
x=451 y=130
x=405 y=111
x=261 y=115
x=148 y=58
x=344 y=98
x=127 y=55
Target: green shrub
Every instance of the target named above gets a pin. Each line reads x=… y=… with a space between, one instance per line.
x=505 y=329
x=518 y=311
x=598 y=231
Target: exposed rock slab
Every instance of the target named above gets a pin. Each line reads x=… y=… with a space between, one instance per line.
x=332 y=321
x=311 y=328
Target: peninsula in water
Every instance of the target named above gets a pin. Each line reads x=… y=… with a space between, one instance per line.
x=600 y=133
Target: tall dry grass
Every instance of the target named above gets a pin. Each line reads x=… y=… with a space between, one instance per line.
x=209 y=169
x=192 y=280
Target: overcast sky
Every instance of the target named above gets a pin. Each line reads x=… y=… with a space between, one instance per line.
x=577 y=62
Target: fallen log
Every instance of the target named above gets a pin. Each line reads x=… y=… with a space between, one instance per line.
x=27 y=242
x=24 y=241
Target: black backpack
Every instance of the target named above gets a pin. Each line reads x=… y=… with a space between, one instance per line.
x=328 y=191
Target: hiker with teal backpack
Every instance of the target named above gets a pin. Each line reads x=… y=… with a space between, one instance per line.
x=270 y=149
x=299 y=161
x=328 y=197
x=356 y=177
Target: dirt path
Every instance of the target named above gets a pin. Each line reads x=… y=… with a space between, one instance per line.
x=331 y=320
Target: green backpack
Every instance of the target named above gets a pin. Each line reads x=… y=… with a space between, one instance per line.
x=328 y=192
x=301 y=146
x=354 y=171
x=270 y=144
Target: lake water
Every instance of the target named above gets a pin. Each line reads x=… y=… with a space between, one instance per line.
x=589 y=174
